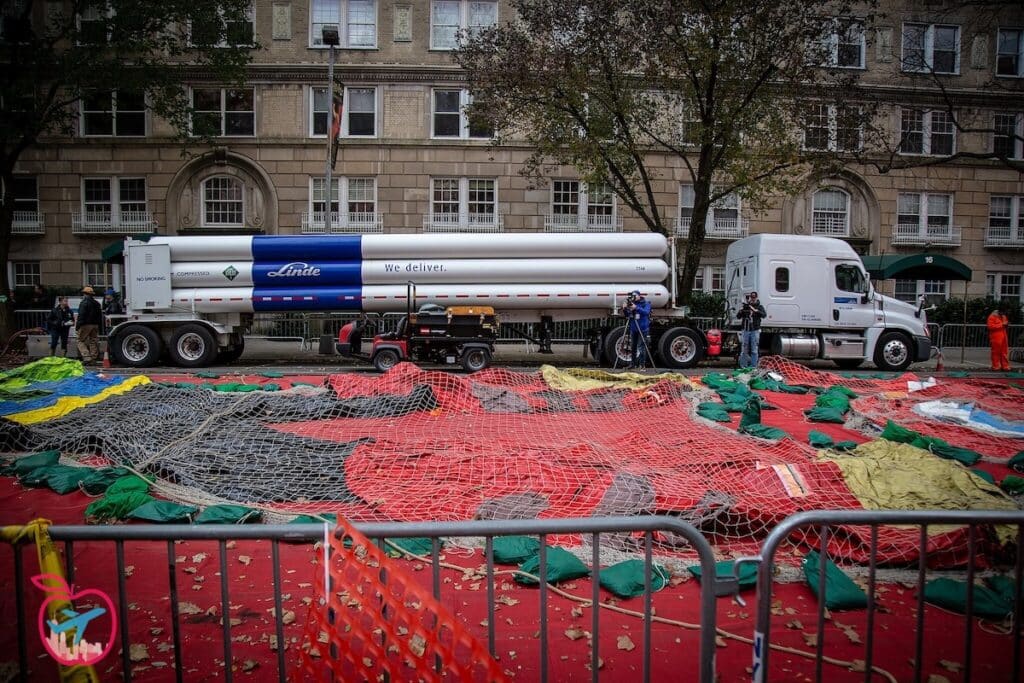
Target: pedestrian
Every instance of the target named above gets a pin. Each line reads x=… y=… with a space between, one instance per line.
x=638 y=314
x=59 y=324
x=88 y=327
x=750 y=316
x=41 y=299
x=111 y=303
x=997 y=324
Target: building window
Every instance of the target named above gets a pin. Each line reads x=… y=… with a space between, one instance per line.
x=710 y=280
x=924 y=214
x=447 y=17
x=1006 y=218
x=830 y=213
x=723 y=217
x=318 y=107
x=1004 y=286
x=360 y=198
x=114 y=201
x=911 y=291
x=25 y=273
x=449 y=118
x=222 y=202
x=1008 y=136
x=829 y=127
x=579 y=205
x=927 y=132
x=471 y=201
x=236 y=30
x=1010 y=53
x=224 y=112
x=360 y=113
x=843 y=47
x=117 y=114
x=931 y=48
x=25 y=191
x=360 y=26
x=98 y=275
x=94 y=22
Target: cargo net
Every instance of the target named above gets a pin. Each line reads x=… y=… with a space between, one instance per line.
x=416 y=445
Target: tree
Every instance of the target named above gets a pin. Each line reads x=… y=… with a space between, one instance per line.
x=52 y=56
x=617 y=88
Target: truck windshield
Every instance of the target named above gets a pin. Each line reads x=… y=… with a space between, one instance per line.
x=849 y=278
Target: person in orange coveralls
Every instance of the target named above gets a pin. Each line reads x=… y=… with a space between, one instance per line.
x=997 y=324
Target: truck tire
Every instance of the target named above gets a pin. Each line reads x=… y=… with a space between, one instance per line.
x=475 y=359
x=616 y=348
x=232 y=354
x=193 y=346
x=385 y=359
x=848 y=363
x=136 y=346
x=680 y=347
x=893 y=352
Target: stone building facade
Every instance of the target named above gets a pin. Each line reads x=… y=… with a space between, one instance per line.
x=409 y=160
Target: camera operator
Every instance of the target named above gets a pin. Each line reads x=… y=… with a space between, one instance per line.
x=638 y=313
x=750 y=315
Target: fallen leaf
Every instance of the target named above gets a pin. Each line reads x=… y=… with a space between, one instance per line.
x=811 y=639
x=189 y=608
x=245 y=559
x=575 y=633
x=249 y=664
x=576 y=611
x=129 y=569
x=230 y=544
x=138 y=652
x=418 y=645
x=950 y=666
x=198 y=557
x=858 y=666
x=506 y=600
x=155 y=631
x=937 y=678
x=795 y=624
x=600 y=663
x=720 y=641
x=288 y=617
x=625 y=643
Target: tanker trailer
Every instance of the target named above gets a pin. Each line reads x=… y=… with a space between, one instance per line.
x=194 y=297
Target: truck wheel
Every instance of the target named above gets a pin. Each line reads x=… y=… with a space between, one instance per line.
x=232 y=354
x=616 y=348
x=680 y=347
x=385 y=359
x=193 y=346
x=136 y=346
x=474 y=360
x=848 y=363
x=893 y=351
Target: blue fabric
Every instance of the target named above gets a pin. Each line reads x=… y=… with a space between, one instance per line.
x=86 y=385
x=289 y=248
x=641 y=316
x=749 y=340
x=980 y=416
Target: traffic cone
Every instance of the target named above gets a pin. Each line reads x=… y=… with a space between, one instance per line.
x=939 y=362
x=106 y=358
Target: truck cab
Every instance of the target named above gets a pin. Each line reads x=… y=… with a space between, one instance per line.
x=820 y=304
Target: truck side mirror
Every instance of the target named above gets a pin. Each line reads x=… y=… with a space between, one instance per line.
x=865 y=297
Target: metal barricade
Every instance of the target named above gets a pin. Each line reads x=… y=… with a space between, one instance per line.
x=957 y=335
x=71 y=537
x=825 y=523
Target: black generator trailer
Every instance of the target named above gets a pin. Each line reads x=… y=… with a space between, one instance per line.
x=463 y=335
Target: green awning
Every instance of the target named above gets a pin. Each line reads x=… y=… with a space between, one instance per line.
x=115 y=250
x=915 y=267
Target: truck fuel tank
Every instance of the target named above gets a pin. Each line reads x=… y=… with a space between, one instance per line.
x=800 y=346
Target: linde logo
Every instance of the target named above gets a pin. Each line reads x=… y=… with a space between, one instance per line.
x=296 y=269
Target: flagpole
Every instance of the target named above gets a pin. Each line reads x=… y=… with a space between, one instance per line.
x=330 y=37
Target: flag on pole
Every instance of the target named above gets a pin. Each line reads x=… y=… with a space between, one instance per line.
x=338 y=101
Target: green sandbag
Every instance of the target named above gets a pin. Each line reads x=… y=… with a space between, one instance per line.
x=717 y=380
x=626 y=579
x=515 y=549
x=60 y=478
x=30 y=462
x=751 y=413
x=747 y=577
x=894 y=432
x=1016 y=462
x=819 y=439
x=845 y=391
x=834 y=399
x=271 y=386
x=764 y=432
x=844 y=445
x=1003 y=586
x=750 y=422
x=561 y=566
x=952 y=595
x=415 y=546
x=272 y=374
x=228 y=514
x=128 y=483
x=164 y=512
x=713 y=411
x=840 y=590
x=945 y=450
x=1012 y=484
x=100 y=480
x=114 y=506
x=331 y=518
x=207 y=374
x=825 y=414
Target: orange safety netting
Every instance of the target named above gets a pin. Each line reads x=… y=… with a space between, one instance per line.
x=376 y=620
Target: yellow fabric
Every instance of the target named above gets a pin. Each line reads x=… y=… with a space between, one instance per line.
x=66 y=404
x=49 y=563
x=884 y=475
x=585 y=379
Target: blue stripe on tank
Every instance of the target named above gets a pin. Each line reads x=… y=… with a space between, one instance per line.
x=307 y=298
x=281 y=274
x=283 y=248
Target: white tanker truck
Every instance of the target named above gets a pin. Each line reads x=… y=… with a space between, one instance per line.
x=194 y=297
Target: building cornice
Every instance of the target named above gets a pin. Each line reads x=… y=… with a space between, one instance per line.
x=350 y=73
